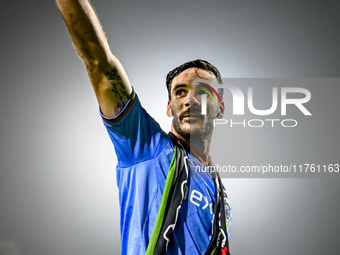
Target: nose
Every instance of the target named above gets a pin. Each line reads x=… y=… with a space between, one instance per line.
x=191 y=99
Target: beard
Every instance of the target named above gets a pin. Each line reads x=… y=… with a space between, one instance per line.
x=201 y=133
x=177 y=126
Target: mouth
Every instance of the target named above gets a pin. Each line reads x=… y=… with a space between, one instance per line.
x=192 y=116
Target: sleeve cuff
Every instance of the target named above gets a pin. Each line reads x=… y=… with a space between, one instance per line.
x=125 y=110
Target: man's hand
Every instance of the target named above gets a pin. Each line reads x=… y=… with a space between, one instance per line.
x=109 y=80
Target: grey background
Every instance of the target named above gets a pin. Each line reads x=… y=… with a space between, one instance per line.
x=58 y=192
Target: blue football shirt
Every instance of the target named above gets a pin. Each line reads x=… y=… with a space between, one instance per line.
x=144 y=154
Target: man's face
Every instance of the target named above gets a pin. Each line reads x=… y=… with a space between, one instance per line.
x=186 y=100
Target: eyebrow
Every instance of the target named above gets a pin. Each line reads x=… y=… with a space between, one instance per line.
x=212 y=89
x=179 y=86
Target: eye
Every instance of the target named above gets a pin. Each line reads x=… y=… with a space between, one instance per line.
x=180 y=92
x=201 y=92
x=204 y=91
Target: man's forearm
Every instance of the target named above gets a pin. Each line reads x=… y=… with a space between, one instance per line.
x=85 y=29
x=110 y=82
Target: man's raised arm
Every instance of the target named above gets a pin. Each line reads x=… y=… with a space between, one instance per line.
x=109 y=80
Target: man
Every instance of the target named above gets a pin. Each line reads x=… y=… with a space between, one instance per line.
x=167 y=205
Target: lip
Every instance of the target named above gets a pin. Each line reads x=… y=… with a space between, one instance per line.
x=192 y=116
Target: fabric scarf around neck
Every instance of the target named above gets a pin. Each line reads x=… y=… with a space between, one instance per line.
x=175 y=190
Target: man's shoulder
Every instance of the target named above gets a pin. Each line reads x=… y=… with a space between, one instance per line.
x=136 y=136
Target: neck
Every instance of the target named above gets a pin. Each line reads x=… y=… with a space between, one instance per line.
x=197 y=143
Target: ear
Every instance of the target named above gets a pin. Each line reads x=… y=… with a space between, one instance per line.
x=168 y=109
x=221 y=111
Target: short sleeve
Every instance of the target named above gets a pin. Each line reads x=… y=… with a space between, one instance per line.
x=136 y=136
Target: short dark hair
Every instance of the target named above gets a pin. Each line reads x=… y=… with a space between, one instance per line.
x=199 y=64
